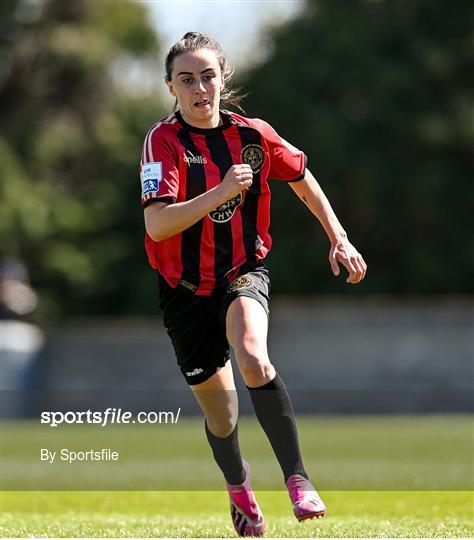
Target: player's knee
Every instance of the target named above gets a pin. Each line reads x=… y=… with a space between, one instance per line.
x=256 y=369
x=222 y=420
x=223 y=426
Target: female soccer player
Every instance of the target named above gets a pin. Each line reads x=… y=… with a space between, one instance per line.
x=205 y=176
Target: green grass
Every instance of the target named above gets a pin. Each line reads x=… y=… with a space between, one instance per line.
x=371 y=453
x=380 y=476
x=204 y=514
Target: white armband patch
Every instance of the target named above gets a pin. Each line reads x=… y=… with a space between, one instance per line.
x=151 y=176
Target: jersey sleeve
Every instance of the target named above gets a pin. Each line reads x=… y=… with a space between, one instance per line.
x=287 y=163
x=158 y=169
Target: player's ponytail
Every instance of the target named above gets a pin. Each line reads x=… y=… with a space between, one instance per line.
x=193 y=41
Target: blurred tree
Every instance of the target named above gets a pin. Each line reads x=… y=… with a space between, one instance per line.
x=379 y=95
x=71 y=136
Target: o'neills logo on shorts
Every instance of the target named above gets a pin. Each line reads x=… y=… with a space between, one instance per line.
x=225 y=211
x=189 y=158
x=194 y=372
x=241 y=282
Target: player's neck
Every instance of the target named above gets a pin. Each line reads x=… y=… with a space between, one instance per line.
x=208 y=123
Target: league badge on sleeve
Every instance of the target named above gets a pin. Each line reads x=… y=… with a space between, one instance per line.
x=151 y=176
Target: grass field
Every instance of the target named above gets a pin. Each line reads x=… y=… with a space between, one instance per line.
x=204 y=514
x=357 y=463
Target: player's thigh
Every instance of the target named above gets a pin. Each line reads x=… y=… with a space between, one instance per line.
x=198 y=338
x=247 y=328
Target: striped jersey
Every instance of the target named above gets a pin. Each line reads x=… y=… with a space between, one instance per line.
x=180 y=162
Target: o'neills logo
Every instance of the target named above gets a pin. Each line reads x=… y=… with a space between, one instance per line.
x=225 y=211
x=195 y=371
x=189 y=158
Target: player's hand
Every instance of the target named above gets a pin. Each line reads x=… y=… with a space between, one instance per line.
x=342 y=251
x=237 y=178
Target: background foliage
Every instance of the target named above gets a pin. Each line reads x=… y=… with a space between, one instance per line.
x=71 y=142
x=378 y=94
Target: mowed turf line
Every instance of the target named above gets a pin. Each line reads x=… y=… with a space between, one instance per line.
x=205 y=514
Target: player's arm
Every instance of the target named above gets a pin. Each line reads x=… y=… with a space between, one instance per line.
x=163 y=220
x=310 y=192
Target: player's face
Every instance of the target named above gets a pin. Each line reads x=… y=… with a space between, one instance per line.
x=197 y=81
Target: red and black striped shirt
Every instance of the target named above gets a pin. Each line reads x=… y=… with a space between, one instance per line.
x=180 y=162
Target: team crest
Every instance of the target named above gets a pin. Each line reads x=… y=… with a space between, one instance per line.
x=225 y=211
x=241 y=282
x=253 y=155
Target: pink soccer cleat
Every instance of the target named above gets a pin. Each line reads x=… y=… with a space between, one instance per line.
x=246 y=515
x=306 y=502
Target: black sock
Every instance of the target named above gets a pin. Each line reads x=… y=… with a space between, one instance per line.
x=274 y=412
x=227 y=455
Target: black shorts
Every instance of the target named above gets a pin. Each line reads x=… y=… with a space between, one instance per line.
x=196 y=324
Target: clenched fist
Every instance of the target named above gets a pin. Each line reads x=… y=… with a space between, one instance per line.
x=237 y=178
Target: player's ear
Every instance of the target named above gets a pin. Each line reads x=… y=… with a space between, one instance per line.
x=170 y=88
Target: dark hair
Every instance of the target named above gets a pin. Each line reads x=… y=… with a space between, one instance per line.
x=193 y=41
